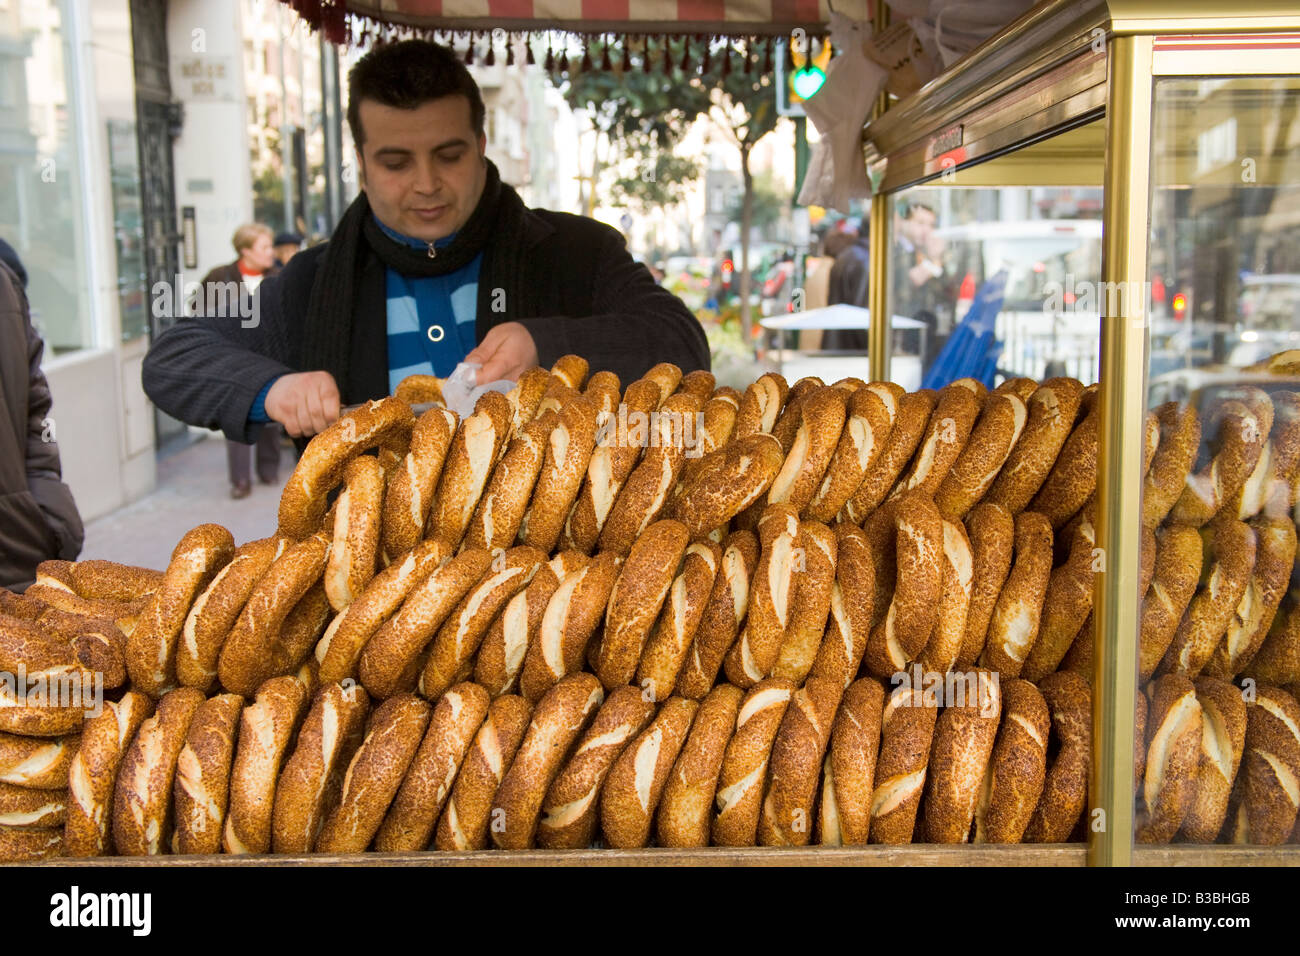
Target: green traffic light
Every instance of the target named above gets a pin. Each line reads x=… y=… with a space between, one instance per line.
x=807 y=80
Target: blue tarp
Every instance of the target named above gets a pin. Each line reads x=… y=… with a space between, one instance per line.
x=972 y=351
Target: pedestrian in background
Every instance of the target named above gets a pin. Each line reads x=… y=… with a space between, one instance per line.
x=286 y=245
x=222 y=287
x=38 y=516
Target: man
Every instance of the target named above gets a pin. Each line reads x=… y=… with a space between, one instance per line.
x=436 y=262
x=223 y=293
x=848 y=285
x=287 y=245
x=38 y=516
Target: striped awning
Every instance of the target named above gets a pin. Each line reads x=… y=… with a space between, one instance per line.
x=736 y=18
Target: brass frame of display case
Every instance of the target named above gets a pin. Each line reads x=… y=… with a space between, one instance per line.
x=1062 y=65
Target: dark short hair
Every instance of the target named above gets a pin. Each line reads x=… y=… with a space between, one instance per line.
x=914 y=206
x=407 y=75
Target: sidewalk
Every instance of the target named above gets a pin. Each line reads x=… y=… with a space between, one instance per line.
x=192 y=490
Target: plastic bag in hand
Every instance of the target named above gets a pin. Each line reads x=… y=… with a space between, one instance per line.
x=460 y=392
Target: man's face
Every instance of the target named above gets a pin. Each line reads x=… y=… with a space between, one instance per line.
x=260 y=255
x=918 y=226
x=423 y=169
x=286 y=252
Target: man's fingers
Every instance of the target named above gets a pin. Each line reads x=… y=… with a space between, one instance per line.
x=497 y=368
x=316 y=412
x=330 y=402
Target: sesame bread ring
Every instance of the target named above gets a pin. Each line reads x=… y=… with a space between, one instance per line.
x=464 y=823
x=1240 y=426
x=526 y=396
x=1232 y=552
x=636 y=598
x=1052 y=411
x=124 y=614
x=850 y=383
x=409 y=494
x=852 y=597
x=1067 y=602
x=844 y=817
x=397 y=644
x=419 y=389
x=1221 y=745
x=1140 y=712
x=266 y=728
x=685 y=807
x=309 y=786
x=89 y=770
x=393 y=734
x=249 y=654
x=55 y=704
x=141 y=805
x=1277 y=494
x=760 y=405
x=788 y=422
x=1180 y=437
x=386 y=423
x=862 y=440
x=571 y=808
x=604 y=391
x=796 y=765
x=1275 y=551
x=728 y=481
x=27 y=647
x=771 y=598
x=727 y=606
x=558 y=720
x=32 y=809
x=914 y=410
x=743 y=776
x=670 y=640
x=215 y=611
x=340 y=649
x=500 y=511
x=995 y=433
x=821 y=419
x=110 y=581
x=1073 y=478
x=699 y=383
x=473 y=454
x=22 y=606
x=451 y=655
x=1022 y=388
x=572 y=616
x=202 y=784
x=1013 y=628
x=505 y=647
x=24 y=844
x=719 y=422
x=568 y=452
x=1271 y=767
x=1173 y=585
x=946 y=434
x=645 y=493
x=964 y=735
x=151 y=647
x=630 y=796
x=557 y=396
x=1278 y=659
x=906 y=734
x=667 y=377
x=906 y=625
x=36 y=762
x=945 y=643
x=992 y=535
x=1065 y=787
x=357 y=517
x=303 y=627
x=1174 y=731
x=616 y=454
x=572 y=370
x=411 y=819
x=1017 y=766
x=815 y=567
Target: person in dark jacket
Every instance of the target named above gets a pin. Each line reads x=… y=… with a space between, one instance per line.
x=38 y=516
x=227 y=290
x=436 y=262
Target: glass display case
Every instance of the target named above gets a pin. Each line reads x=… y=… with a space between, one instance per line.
x=1110 y=193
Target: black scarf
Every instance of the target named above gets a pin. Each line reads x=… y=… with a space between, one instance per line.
x=494 y=228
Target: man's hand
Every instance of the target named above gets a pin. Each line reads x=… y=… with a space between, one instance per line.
x=305 y=403
x=507 y=351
